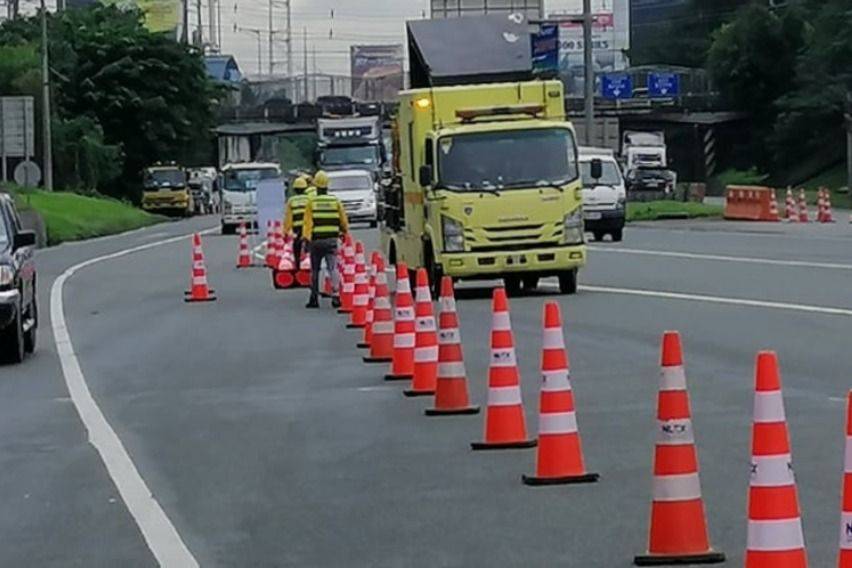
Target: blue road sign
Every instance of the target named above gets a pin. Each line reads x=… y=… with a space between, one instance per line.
x=663 y=85
x=616 y=86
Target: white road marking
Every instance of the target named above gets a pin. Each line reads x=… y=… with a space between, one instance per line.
x=374 y=389
x=823 y=310
x=161 y=536
x=742 y=259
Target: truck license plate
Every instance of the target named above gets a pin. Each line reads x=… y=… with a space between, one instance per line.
x=593 y=216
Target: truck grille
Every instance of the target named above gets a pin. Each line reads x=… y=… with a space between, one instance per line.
x=516 y=237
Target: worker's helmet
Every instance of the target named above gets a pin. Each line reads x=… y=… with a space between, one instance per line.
x=300 y=184
x=321 y=180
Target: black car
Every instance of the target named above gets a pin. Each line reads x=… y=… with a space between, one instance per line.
x=650 y=183
x=18 y=309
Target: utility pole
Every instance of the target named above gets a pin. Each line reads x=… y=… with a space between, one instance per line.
x=314 y=67
x=289 y=43
x=219 y=25
x=45 y=108
x=589 y=75
x=270 y=39
x=305 y=57
x=199 y=33
x=184 y=34
x=211 y=22
x=848 y=124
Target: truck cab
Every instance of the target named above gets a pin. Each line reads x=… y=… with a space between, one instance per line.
x=486 y=185
x=350 y=143
x=238 y=186
x=165 y=189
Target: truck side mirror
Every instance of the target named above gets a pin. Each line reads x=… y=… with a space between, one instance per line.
x=425 y=176
x=597 y=169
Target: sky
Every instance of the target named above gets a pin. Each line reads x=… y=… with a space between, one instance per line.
x=354 y=22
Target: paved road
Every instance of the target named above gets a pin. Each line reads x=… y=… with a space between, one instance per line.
x=268 y=443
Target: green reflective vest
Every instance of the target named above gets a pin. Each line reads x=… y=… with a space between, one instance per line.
x=325 y=210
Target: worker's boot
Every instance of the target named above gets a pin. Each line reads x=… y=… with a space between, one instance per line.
x=312 y=303
x=335 y=301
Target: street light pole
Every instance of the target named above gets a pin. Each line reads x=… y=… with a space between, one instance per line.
x=45 y=108
x=589 y=76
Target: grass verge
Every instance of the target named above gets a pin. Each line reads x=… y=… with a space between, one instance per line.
x=657 y=210
x=73 y=217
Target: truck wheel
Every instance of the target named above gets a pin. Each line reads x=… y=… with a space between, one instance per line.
x=568 y=282
x=228 y=229
x=617 y=235
x=12 y=340
x=530 y=283
x=374 y=224
x=513 y=285
x=599 y=236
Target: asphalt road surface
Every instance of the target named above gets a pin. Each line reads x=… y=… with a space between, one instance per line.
x=265 y=441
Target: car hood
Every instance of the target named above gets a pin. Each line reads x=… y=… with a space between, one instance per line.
x=602 y=195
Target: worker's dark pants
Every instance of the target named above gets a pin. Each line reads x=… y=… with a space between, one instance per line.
x=323 y=249
x=298 y=243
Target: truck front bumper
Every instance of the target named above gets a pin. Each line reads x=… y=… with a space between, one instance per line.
x=540 y=262
x=8 y=307
x=604 y=220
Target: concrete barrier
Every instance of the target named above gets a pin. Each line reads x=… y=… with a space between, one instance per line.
x=749 y=203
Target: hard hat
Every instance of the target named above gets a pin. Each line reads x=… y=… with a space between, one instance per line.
x=321 y=180
x=300 y=184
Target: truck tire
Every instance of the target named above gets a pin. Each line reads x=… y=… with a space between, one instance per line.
x=12 y=340
x=568 y=282
x=617 y=235
x=228 y=229
x=30 y=335
x=530 y=283
x=513 y=285
x=599 y=235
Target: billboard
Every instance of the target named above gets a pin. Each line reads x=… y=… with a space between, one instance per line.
x=160 y=15
x=376 y=71
x=532 y=9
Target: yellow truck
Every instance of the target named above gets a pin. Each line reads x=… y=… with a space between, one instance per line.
x=165 y=189
x=486 y=185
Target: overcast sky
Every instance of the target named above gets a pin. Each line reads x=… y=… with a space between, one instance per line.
x=354 y=22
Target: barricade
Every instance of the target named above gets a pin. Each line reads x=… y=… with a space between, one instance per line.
x=749 y=203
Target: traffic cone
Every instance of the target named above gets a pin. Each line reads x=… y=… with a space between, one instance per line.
x=382 y=330
x=505 y=424
x=820 y=206
x=278 y=230
x=451 y=396
x=303 y=274
x=678 y=532
x=282 y=275
x=790 y=207
x=829 y=215
x=358 y=315
x=423 y=382
x=803 y=207
x=560 y=453
x=244 y=259
x=845 y=557
x=270 y=246
x=773 y=207
x=199 y=291
x=367 y=336
x=347 y=285
x=775 y=537
x=402 y=363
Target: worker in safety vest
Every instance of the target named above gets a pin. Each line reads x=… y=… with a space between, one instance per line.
x=325 y=222
x=294 y=217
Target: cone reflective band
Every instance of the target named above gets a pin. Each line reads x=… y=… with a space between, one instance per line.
x=371 y=299
x=803 y=207
x=347 y=285
x=402 y=363
x=282 y=275
x=505 y=424
x=244 y=260
x=381 y=336
x=678 y=531
x=358 y=315
x=425 y=377
x=199 y=290
x=559 y=458
x=451 y=394
x=790 y=207
x=844 y=559
x=775 y=537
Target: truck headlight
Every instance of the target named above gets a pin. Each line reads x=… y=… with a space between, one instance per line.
x=453 y=235
x=7 y=276
x=572 y=227
x=621 y=203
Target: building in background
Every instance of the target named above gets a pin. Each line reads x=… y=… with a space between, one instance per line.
x=532 y=9
x=377 y=71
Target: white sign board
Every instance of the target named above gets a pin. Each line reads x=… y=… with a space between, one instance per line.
x=270 y=203
x=17 y=133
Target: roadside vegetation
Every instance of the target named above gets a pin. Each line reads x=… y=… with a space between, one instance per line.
x=659 y=210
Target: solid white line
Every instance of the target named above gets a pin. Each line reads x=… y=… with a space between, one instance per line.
x=157 y=530
x=742 y=259
x=824 y=310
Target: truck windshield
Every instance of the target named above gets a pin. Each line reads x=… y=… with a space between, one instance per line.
x=345 y=155
x=609 y=174
x=157 y=179
x=247 y=179
x=507 y=159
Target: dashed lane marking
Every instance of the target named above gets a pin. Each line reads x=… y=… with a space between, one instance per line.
x=158 y=531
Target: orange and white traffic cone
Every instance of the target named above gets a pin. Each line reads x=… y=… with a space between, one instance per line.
x=367 y=335
x=347 y=283
x=199 y=290
x=790 y=207
x=773 y=207
x=303 y=274
x=803 y=207
x=270 y=246
x=244 y=259
x=382 y=330
x=678 y=532
x=844 y=559
x=425 y=377
x=358 y=315
x=402 y=363
x=282 y=275
x=505 y=424
x=278 y=230
x=829 y=215
x=451 y=394
x=820 y=206
x=775 y=536
x=560 y=453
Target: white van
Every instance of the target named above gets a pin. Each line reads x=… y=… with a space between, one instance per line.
x=238 y=187
x=604 y=196
x=357 y=192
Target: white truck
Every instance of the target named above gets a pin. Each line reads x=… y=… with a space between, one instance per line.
x=238 y=187
x=643 y=150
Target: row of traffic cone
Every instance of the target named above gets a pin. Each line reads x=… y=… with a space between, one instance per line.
x=796 y=211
